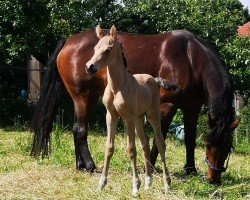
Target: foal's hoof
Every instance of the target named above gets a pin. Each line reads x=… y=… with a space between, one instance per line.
x=167 y=184
x=167 y=188
x=148 y=182
x=190 y=170
x=135 y=192
x=102 y=183
x=136 y=186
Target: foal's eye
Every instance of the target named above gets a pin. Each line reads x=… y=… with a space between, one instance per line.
x=108 y=50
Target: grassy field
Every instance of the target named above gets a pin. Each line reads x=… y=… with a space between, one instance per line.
x=22 y=177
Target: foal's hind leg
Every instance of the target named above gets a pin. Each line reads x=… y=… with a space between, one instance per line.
x=131 y=150
x=168 y=111
x=154 y=119
x=146 y=150
x=111 y=121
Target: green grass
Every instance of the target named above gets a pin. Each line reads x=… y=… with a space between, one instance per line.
x=23 y=177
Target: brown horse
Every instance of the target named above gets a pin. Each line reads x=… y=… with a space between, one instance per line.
x=177 y=56
x=130 y=97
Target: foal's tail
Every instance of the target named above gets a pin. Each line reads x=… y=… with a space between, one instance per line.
x=168 y=85
x=45 y=107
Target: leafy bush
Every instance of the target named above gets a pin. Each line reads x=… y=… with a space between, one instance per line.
x=242 y=137
x=236 y=54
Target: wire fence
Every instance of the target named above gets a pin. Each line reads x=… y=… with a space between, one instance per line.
x=42 y=69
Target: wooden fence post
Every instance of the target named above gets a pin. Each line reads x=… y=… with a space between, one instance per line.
x=34 y=79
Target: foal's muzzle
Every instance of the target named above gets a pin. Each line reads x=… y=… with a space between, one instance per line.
x=91 y=69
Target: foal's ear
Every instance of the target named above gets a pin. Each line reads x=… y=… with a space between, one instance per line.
x=99 y=32
x=113 y=31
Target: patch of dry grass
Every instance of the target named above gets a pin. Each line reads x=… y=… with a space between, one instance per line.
x=22 y=177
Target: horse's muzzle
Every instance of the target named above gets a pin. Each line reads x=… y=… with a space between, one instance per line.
x=91 y=69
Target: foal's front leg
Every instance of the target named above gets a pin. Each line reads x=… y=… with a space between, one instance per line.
x=111 y=121
x=131 y=150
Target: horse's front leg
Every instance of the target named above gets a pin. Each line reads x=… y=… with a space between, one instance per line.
x=190 y=127
x=131 y=150
x=111 y=121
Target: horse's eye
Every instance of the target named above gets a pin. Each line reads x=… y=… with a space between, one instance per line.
x=108 y=50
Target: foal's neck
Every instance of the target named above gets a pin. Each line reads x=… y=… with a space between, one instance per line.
x=117 y=74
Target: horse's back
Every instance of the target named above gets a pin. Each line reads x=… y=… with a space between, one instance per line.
x=165 y=55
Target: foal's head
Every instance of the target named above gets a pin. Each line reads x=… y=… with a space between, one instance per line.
x=104 y=50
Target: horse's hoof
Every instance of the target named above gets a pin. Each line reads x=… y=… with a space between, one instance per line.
x=90 y=167
x=80 y=166
x=190 y=170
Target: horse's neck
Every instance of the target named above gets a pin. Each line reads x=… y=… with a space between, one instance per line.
x=117 y=74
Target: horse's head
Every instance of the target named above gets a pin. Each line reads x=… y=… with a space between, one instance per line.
x=218 y=149
x=103 y=51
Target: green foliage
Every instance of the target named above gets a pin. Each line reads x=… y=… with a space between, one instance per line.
x=23 y=30
x=242 y=135
x=35 y=26
x=70 y=17
x=236 y=53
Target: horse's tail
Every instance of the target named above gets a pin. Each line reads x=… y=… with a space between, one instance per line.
x=168 y=85
x=45 y=107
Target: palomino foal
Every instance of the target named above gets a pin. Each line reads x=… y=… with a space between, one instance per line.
x=130 y=97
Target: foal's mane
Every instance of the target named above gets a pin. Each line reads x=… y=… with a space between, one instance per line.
x=220 y=107
x=123 y=56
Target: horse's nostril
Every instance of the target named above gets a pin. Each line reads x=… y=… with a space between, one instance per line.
x=91 y=69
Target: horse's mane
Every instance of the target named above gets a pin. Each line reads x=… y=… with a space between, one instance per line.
x=222 y=113
x=220 y=107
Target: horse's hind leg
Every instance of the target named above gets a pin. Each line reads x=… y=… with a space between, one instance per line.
x=83 y=110
x=111 y=121
x=154 y=119
x=139 y=127
x=168 y=111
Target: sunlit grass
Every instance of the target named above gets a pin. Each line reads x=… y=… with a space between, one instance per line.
x=22 y=177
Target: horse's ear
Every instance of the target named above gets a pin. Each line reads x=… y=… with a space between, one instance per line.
x=113 y=31
x=235 y=123
x=99 y=32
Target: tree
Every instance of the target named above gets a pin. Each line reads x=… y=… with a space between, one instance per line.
x=24 y=30
x=236 y=53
